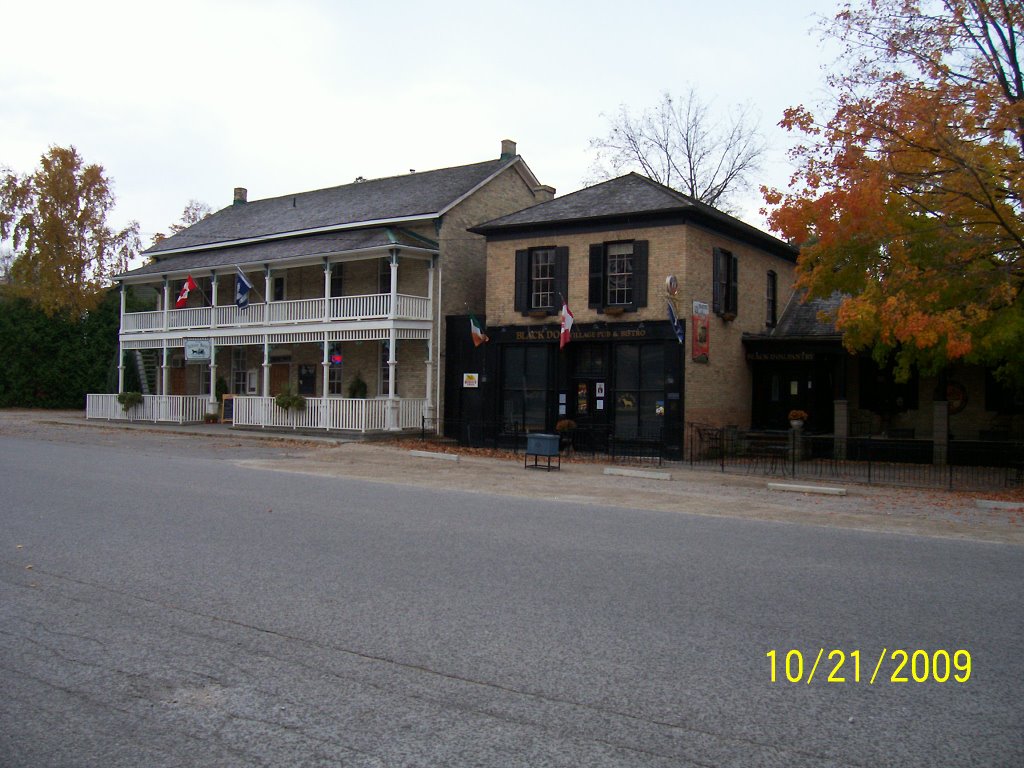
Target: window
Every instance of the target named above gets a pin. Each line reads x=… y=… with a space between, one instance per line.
x=725 y=299
x=542 y=279
x=639 y=390
x=335 y=380
x=619 y=268
x=618 y=275
x=385 y=369
x=524 y=386
x=278 y=284
x=239 y=374
x=337 y=280
x=771 y=305
x=384 y=276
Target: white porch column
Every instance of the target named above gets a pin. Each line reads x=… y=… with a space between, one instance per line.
x=165 y=371
x=393 y=422
x=428 y=405
x=213 y=303
x=266 y=365
x=394 y=283
x=327 y=298
x=326 y=364
x=167 y=302
x=120 y=349
x=268 y=286
x=213 y=377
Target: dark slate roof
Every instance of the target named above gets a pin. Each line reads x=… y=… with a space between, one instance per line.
x=810 y=319
x=385 y=199
x=284 y=248
x=633 y=197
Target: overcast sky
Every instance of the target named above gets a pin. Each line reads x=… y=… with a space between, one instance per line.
x=188 y=100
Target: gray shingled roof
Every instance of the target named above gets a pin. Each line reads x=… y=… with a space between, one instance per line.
x=375 y=200
x=803 y=319
x=284 y=248
x=627 y=196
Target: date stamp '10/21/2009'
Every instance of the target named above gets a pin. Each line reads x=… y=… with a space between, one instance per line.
x=918 y=666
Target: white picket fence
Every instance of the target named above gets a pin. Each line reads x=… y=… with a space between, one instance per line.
x=339 y=413
x=178 y=409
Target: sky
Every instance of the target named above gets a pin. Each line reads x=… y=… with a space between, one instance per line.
x=187 y=100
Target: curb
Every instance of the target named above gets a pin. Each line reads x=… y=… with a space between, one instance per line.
x=644 y=473
x=820 y=489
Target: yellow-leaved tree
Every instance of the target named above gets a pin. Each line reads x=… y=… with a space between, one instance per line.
x=64 y=251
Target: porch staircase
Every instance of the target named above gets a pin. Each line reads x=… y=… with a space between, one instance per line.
x=147 y=365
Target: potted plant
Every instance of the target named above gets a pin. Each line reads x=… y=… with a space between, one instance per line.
x=797 y=418
x=565 y=429
x=357 y=387
x=287 y=400
x=129 y=400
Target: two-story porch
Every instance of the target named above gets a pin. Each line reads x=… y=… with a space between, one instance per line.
x=349 y=328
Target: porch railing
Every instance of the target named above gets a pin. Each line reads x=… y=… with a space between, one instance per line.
x=340 y=308
x=178 y=409
x=337 y=413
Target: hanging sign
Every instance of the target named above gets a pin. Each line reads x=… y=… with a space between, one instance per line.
x=701 y=342
x=197 y=350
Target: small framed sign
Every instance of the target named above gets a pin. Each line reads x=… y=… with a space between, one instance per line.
x=470 y=380
x=227 y=409
x=197 y=350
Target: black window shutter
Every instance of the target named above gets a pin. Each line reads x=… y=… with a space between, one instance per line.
x=522 y=301
x=734 y=281
x=640 y=273
x=561 y=278
x=716 y=281
x=596 y=292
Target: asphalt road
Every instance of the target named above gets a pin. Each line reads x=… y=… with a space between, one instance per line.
x=162 y=604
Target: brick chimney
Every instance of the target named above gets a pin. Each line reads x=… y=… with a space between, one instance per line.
x=508 y=149
x=241 y=195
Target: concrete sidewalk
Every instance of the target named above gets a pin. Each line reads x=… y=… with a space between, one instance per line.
x=678 y=489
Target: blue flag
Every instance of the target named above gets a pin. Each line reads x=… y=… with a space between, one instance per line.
x=242 y=287
x=677 y=325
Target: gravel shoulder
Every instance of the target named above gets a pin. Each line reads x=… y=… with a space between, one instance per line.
x=872 y=508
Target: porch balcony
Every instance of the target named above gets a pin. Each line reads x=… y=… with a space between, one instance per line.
x=321 y=413
x=377 y=306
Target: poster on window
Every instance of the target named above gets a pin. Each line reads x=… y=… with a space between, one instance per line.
x=701 y=341
x=581 y=399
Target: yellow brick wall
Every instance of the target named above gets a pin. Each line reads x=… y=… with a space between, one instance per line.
x=717 y=392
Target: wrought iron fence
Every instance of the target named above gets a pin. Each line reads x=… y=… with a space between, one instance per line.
x=921 y=463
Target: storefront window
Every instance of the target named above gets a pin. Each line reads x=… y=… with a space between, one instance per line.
x=639 y=390
x=524 y=384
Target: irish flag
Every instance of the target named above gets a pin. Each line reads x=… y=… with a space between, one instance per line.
x=479 y=337
x=567 y=318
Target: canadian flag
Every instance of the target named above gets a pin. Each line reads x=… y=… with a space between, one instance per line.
x=190 y=285
x=567 y=318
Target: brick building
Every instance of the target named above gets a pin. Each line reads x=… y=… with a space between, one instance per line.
x=621 y=253
x=350 y=288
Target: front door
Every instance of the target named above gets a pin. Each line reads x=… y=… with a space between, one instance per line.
x=279 y=378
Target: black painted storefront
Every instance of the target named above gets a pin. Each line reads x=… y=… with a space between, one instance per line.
x=616 y=381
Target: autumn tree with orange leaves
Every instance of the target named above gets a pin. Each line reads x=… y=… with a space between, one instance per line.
x=908 y=197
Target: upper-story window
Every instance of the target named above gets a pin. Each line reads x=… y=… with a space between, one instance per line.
x=618 y=275
x=337 y=280
x=725 y=288
x=771 y=300
x=542 y=279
